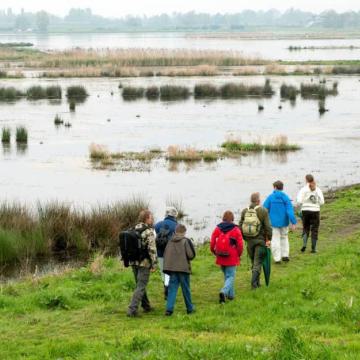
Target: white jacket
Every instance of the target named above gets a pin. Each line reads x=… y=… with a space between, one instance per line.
x=310 y=200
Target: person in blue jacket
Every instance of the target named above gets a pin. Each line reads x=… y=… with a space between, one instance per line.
x=165 y=230
x=282 y=214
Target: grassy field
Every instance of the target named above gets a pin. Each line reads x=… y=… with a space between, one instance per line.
x=310 y=311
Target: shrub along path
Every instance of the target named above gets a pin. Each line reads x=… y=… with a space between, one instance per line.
x=310 y=311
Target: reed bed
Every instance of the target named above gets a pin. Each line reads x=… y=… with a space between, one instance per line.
x=172 y=92
x=280 y=143
x=139 y=58
x=26 y=234
x=318 y=91
x=346 y=70
x=39 y=92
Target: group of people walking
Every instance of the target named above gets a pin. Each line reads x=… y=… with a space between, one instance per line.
x=261 y=226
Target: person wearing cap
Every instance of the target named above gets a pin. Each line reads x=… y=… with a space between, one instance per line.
x=177 y=257
x=165 y=230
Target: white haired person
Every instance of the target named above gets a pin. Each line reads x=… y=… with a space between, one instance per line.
x=165 y=230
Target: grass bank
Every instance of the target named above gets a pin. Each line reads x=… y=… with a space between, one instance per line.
x=310 y=311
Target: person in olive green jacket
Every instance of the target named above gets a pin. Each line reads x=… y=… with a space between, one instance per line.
x=256 y=239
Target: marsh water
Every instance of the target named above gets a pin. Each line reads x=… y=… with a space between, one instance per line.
x=267 y=49
x=55 y=164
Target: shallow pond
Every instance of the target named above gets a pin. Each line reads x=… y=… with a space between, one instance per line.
x=268 y=49
x=55 y=163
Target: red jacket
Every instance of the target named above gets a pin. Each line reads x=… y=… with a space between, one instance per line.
x=235 y=251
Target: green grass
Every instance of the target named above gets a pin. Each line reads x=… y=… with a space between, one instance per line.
x=6 y=135
x=39 y=92
x=10 y=94
x=310 y=311
x=21 y=135
x=76 y=93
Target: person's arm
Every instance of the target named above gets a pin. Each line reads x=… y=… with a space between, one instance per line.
x=151 y=247
x=190 y=249
x=267 y=203
x=321 y=196
x=290 y=211
x=267 y=225
x=240 y=244
x=300 y=196
x=242 y=218
x=214 y=236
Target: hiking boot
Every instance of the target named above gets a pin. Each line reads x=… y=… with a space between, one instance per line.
x=313 y=251
x=168 y=313
x=303 y=249
x=231 y=298
x=278 y=262
x=166 y=292
x=285 y=259
x=189 y=312
x=132 y=314
x=222 y=298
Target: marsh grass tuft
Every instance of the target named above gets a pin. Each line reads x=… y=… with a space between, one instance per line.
x=132 y=93
x=152 y=93
x=76 y=93
x=21 y=135
x=202 y=91
x=318 y=91
x=6 y=135
x=289 y=92
x=10 y=94
x=173 y=92
x=58 y=120
x=233 y=90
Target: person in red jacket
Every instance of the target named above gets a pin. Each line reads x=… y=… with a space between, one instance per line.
x=227 y=245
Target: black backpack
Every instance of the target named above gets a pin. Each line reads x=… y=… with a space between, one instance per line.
x=131 y=246
x=163 y=237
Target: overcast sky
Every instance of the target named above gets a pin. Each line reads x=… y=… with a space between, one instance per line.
x=117 y=8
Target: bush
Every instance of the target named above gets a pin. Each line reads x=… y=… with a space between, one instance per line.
x=172 y=92
x=132 y=93
x=21 y=135
x=6 y=135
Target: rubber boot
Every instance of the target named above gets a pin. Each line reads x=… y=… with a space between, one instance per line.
x=305 y=239
x=255 y=280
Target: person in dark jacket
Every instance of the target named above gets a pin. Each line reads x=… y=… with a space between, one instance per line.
x=256 y=244
x=281 y=213
x=177 y=256
x=165 y=230
x=227 y=236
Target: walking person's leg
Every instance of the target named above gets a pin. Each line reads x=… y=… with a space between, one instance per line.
x=185 y=288
x=276 y=244
x=315 y=224
x=173 y=289
x=258 y=260
x=228 y=289
x=142 y=275
x=164 y=277
x=284 y=243
x=306 y=228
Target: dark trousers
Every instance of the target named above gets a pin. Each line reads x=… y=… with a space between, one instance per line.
x=179 y=279
x=311 y=224
x=256 y=253
x=142 y=275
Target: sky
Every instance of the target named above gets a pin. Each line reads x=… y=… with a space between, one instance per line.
x=118 y=8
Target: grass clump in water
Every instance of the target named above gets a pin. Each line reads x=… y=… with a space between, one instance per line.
x=76 y=93
x=176 y=153
x=132 y=93
x=39 y=92
x=289 y=92
x=318 y=91
x=58 y=120
x=98 y=152
x=72 y=106
x=233 y=90
x=202 y=91
x=10 y=94
x=152 y=93
x=21 y=135
x=173 y=92
x=6 y=135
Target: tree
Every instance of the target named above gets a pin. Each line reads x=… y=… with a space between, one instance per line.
x=42 y=21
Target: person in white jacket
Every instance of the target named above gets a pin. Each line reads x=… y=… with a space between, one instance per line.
x=310 y=198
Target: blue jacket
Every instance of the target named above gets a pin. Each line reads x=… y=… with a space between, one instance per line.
x=280 y=209
x=168 y=223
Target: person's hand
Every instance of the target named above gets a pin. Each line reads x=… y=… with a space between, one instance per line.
x=293 y=227
x=268 y=243
x=153 y=269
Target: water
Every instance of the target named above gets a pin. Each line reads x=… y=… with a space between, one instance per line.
x=267 y=49
x=55 y=164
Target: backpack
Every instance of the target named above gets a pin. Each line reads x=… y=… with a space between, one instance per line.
x=131 y=246
x=251 y=225
x=163 y=237
x=223 y=245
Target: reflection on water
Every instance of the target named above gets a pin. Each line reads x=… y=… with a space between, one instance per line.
x=6 y=149
x=21 y=149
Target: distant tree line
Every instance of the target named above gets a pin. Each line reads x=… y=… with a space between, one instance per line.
x=85 y=20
